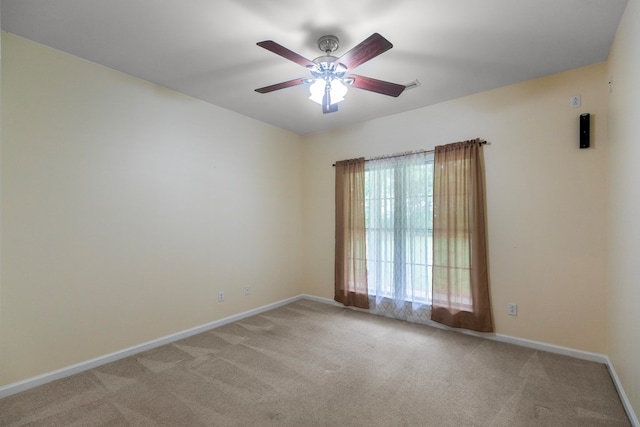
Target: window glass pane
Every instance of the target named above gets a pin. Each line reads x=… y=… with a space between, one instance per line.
x=399 y=218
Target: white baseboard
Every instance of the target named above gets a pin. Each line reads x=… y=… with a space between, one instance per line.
x=29 y=383
x=551 y=348
x=322 y=300
x=536 y=345
x=623 y=396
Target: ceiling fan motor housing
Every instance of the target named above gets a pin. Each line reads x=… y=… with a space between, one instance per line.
x=327 y=66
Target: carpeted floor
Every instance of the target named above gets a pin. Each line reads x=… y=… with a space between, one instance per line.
x=312 y=364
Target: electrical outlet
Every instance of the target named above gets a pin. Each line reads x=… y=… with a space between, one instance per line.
x=512 y=309
x=574 y=101
x=220 y=296
x=247 y=291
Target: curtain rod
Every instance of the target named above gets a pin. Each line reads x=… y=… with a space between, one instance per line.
x=391 y=156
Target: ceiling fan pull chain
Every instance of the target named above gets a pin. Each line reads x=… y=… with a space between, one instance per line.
x=326 y=102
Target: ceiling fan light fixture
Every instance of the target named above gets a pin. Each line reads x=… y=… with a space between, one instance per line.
x=329 y=82
x=337 y=93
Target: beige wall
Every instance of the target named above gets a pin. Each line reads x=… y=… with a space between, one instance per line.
x=545 y=198
x=624 y=205
x=126 y=207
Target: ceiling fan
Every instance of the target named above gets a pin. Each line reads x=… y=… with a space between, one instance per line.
x=329 y=80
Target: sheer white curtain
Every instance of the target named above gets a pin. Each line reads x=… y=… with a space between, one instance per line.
x=399 y=215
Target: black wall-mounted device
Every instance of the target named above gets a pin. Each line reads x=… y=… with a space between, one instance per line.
x=584 y=130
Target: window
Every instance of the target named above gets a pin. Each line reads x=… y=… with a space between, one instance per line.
x=399 y=227
x=411 y=223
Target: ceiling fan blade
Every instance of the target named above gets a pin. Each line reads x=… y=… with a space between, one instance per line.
x=283 y=85
x=373 y=46
x=285 y=53
x=378 y=86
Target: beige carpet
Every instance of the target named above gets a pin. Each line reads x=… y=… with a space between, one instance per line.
x=312 y=364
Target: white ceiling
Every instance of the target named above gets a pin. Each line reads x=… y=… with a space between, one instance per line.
x=207 y=48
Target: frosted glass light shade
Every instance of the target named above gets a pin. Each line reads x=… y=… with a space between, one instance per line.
x=338 y=91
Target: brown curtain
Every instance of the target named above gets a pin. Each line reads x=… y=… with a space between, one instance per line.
x=351 y=251
x=460 y=273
